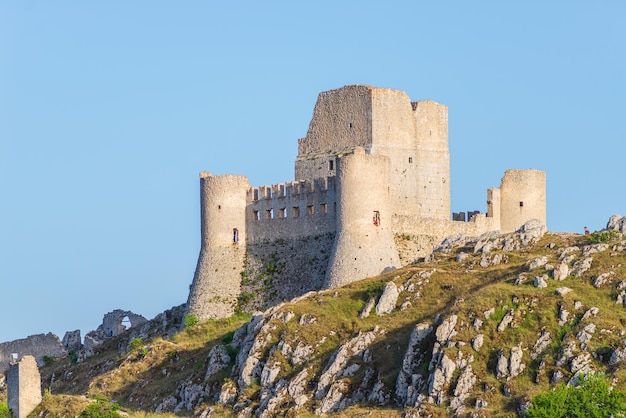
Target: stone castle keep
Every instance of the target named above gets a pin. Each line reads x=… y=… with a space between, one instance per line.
x=371 y=193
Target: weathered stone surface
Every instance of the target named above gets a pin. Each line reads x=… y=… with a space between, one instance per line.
x=581 y=266
x=409 y=381
x=387 y=302
x=297 y=388
x=228 y=394
x=340 y=359
x=568 y=254
x=542 y=343
x=580 y=362
x=538 y=262
x=561 y=291
x=38 y=346
x=218 y=360
x=367 y=309
x=441 y=377
x=72 y=341
x=560 y=272
x=541 y=282
x=463 y=387
x=586 y=333
x=461 y=256
x=446 y=330
x=332 y=399
x=594 y=248
x=591 y=312
x=619 y=354
x=516 y=365
x=24 y=386
x=477 y=342
x=603 y=279
x=617 y=223
x=502 y=366
x=506 y=321
x=487 y=314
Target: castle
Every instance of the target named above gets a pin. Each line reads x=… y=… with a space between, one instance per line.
x=371 y=193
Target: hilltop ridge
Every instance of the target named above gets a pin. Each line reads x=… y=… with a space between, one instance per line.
x=477 y=330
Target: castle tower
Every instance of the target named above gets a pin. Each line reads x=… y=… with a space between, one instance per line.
x=433 y=160
x=364 y=244
x=24 y=386
x=217 y=281
x=522 y=198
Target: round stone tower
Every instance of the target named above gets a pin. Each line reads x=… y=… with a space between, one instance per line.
x=217 y=281
x=364 y=244
x=522 y=198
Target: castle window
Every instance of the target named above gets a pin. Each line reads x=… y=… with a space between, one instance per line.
x=219 y=206
x=334 y=206
x=376 y=218
x=257 y=215
x=350 y=125
x=521 y=204
x=410 y=160
x=323 y=208
x=282 y=213
x=269 y=214
x=256 y=194
x=310 y=210
x=235 y=235
x=295 y=212
x=331 y=165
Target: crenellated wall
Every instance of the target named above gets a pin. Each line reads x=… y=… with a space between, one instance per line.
x=371 y=193
x=291 y=210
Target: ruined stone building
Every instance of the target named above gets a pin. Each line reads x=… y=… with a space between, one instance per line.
x=371 y=193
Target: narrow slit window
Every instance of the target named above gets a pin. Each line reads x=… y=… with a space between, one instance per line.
x=310 y=210
x=521 y=204
x=331 y=165
x=334 y=206
x=376 y=218
x=235 y=235
x=323 y=208
x=410 y=160
x=282 y=213
x=295 y=212
x=257 y=215
x=256 y=194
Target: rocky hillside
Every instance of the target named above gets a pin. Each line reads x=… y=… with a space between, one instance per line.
x=477 y=329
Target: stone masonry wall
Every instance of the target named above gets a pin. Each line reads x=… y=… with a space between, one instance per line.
x=24 y=387
x=38 y=346
x=341 y=121
x=279 y=270
x=291 y=210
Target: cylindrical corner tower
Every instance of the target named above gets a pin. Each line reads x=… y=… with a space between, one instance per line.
x=364 y=244
x=217 y=281
x=522 y=198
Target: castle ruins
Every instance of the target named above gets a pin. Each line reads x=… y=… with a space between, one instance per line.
x=371 y=193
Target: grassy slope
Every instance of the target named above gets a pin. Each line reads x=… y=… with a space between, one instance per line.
x=139 y=380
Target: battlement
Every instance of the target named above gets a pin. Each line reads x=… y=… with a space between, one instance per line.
x=373 y=166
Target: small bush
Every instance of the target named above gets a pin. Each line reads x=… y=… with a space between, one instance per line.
x=135 y=343
x=594 y=398
x=605 y=236
x=101 y=409
x=73 y=357
x=5 y=412
x=47 y=360
x=191 y=320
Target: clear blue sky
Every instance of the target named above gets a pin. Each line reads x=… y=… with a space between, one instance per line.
x=109 y=110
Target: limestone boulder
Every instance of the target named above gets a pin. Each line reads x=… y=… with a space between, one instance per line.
x=387 y=302
x=560 y=272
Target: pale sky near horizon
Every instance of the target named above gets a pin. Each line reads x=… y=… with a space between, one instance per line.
x=109 y=110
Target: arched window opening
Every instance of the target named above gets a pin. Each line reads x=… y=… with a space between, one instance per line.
x=376 y=218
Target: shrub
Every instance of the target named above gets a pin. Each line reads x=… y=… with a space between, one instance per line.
x=604 y=236
x=191 y=320
x=594 y=398
x=5 y=412
x=135 y=343
x=101 y=409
